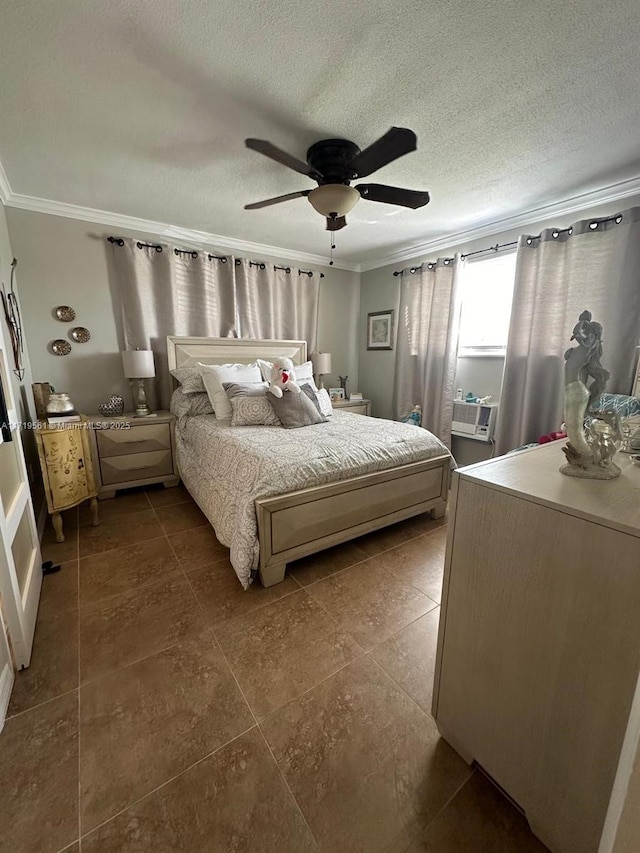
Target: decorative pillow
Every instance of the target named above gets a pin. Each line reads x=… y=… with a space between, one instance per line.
x=190 y=380
x=307 y=389
x=324 y=399
x=303 y=371
x=245 y=389
x=622 y=404
x=213 y=375
x=249 y=404
x=296 y=410
x=253 y=411
x=183 y=404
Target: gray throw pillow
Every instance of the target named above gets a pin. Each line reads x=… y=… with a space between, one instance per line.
x=296 y=410
x=245 y=389
x=249 y=404
x=252 y=411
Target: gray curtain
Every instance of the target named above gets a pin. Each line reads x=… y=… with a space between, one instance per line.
x=427 y=344
x=593 y=265
x=169 y=292
x=276 y=303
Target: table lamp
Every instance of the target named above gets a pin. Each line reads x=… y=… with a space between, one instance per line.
x=138 y=366
x=321 y=365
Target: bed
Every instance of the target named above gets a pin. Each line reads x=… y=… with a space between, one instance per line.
x=274 y=495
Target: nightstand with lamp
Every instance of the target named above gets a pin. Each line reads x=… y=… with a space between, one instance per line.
x=135 y=450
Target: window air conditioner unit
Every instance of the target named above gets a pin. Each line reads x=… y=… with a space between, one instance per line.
x=475 y=420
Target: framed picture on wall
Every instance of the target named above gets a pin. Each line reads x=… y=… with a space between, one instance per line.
x=380 y=330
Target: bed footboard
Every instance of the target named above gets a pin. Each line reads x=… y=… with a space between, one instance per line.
x=299 y=523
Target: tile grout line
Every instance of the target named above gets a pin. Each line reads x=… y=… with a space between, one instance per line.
x=400 y=687
x=471 y=768
x=164 y=784
x=41 y=704
x=393 y=635
x=371 y=557
x=288 y=787
x=255 y=723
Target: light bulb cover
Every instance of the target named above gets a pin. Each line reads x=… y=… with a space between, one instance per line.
x=330 y=199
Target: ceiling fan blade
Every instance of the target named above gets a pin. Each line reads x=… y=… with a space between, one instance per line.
x=395 y=143
x=258 y=204
x=280 y=156
x=393 y=195
x=336 y=223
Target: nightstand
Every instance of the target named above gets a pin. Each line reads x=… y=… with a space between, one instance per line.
x=131 y=451
x=358 y=407
x=67 y=470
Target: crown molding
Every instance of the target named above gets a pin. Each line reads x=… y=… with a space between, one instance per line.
x=162 y=229
x=5 y=189
x=576 y=204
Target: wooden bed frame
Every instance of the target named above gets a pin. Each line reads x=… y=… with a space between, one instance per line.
x=303 y=522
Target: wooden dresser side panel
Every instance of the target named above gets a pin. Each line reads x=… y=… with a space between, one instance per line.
x=540 y=656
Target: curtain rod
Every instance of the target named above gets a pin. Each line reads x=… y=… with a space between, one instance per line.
x=555 y=232
x=432 y=264
x=194 y=254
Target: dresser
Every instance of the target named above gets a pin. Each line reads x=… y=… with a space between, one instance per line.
x=131 y=451
x=539 y=644
x=67 y=470
x=358 y=407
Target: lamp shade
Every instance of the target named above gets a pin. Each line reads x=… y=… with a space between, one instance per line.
x=330 y=199
x=138 y=364
x=321 y=362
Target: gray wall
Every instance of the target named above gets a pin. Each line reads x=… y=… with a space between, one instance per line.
x=64 y=262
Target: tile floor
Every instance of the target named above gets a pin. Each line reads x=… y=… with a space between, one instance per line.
x=166 y=709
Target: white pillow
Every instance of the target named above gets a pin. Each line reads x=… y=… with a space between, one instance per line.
x=325 y=402
x=213 y=375
x=302 y=371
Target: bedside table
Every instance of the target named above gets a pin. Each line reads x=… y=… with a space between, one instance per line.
x=67 y=470
x=131 y=451
x=358 y=407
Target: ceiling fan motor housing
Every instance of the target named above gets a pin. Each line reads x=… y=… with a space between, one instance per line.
x=332 y=159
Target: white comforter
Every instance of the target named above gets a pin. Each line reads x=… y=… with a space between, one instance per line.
x=226 y=468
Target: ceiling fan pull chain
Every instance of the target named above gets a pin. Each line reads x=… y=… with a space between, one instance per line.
x=333 y=245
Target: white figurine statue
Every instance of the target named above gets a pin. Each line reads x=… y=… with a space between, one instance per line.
x=589 y=452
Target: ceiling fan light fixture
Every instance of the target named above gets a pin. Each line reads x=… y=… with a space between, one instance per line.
x=333 y=199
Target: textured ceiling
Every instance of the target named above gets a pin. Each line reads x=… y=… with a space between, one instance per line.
x=141 y=108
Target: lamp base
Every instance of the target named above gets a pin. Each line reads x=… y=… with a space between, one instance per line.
x=140 y=405
x=320 y=381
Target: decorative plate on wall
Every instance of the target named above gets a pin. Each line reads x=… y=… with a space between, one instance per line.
x=60 y=347
x=65 y=314
x=80 y=335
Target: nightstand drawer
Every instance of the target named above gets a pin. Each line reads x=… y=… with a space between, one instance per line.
x=138 y=440
x=360 y=409
x=135 y=466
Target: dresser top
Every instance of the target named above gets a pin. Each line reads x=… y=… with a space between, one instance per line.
x=534 y=475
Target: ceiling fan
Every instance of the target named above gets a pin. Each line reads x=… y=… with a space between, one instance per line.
x=334 y=163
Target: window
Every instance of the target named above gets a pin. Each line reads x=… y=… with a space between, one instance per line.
x=487 y=292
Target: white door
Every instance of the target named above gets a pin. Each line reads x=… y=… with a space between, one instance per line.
x=6 y=674
x=20 y=560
